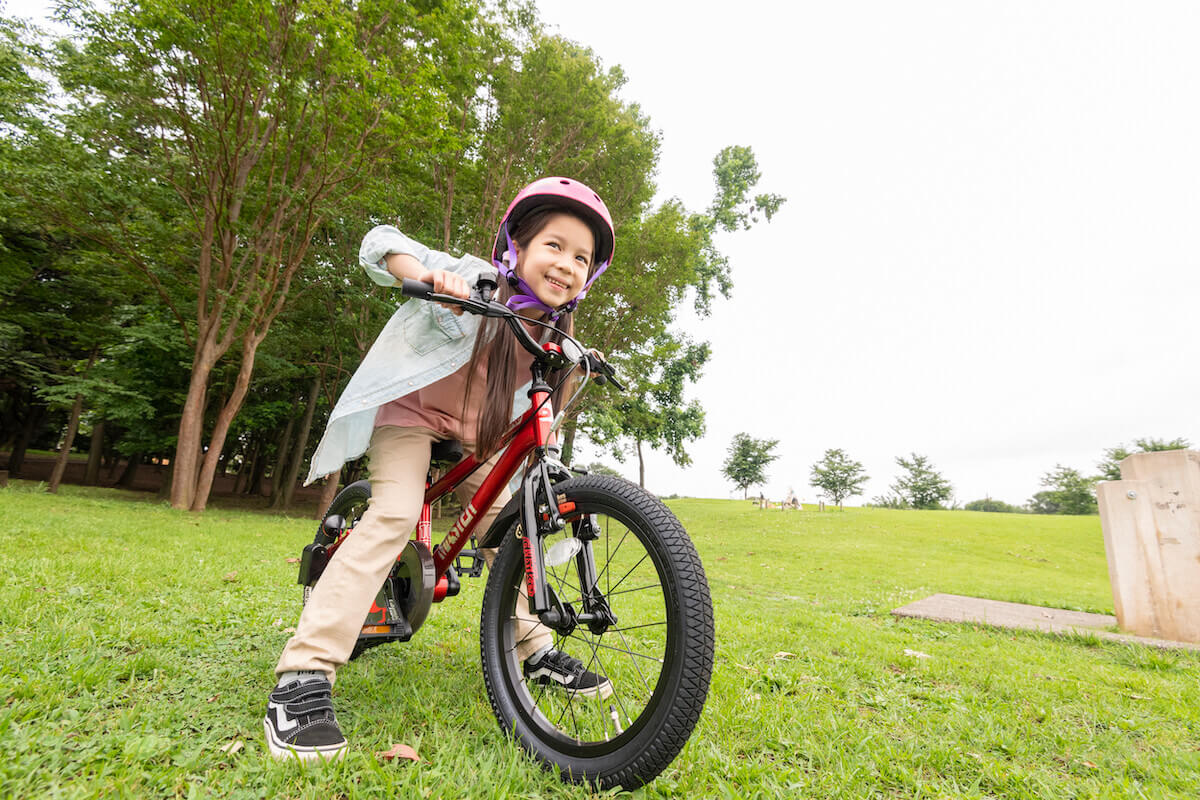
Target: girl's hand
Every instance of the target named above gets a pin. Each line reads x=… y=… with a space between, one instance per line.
x=447 y=283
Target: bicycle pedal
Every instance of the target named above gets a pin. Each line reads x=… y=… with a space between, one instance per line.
x=475 y=560
x=385 y=620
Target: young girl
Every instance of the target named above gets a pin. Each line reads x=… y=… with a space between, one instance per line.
x=431 y=375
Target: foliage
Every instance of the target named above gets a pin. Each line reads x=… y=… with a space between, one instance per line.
x=988 y=504
x=663 y=256
x=920 y=485
x=838 y=476
x=747 y=460
x=1110 y=465
x=1067 y=492
x=212 y=168
x=600 y=468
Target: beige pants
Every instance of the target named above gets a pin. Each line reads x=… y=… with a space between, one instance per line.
x=338 y=605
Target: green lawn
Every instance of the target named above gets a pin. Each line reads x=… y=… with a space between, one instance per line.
x=138 y=641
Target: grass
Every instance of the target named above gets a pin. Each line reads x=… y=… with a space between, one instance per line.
x=139 y=641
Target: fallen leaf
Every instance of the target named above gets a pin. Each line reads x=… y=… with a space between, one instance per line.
x=293 y=561
x=398 y=751
x=232 y=747
x=916 y=653
x=747 y=668
x=1138 y=697
x=214 y=697
x=289 y=630
x=230 y=577
x=783 y=654
x=1090 y=765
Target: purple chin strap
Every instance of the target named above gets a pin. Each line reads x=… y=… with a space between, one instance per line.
x=525 y=297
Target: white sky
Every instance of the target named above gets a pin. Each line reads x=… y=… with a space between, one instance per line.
x=989 y=250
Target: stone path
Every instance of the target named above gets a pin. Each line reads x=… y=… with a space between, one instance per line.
x=957 y=608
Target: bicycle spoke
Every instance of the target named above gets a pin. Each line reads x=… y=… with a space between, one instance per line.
x=631 y=569
x=622 y=650
x=638 y=589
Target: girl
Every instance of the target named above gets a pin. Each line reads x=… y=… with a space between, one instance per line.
x=431 y=375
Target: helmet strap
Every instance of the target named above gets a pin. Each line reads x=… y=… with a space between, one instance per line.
x=524 y=296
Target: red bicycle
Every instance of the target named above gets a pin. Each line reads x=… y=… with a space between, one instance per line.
x=607 y=567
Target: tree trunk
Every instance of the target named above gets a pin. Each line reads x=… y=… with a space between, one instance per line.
x=568 y=441
x=297 y=460
x=250 y=466
x=641 y=466
x=224 y=419
x=95 y=450
x=191 y=431
x=64 y=452
x=127 y=476
x=328 y=492
x=282 y=454
x=33 y=421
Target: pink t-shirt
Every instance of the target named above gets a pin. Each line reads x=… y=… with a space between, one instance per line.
x=439 y=406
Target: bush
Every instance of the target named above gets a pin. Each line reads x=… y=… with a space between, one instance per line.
x=988 y=504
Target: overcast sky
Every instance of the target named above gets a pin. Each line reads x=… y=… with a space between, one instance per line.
x=989 y=250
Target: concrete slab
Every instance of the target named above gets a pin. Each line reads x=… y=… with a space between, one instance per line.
x=957 y=608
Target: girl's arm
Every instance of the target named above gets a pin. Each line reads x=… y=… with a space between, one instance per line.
x=402 y=265
x=389 y=256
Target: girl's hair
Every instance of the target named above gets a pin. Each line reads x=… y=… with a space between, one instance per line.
x=499 y=349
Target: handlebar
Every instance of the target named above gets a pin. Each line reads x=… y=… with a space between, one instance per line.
x=481 y=304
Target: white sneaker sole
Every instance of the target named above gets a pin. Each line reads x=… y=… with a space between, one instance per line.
x=282 y=751
x=602 y=691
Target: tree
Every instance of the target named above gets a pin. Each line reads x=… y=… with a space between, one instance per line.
x=988 y=504
x=1110 y=465
x=920 y=485
x=257 y=119
x=747 y=462
x=1067 y=492
x=838 y=476
x=665 y=256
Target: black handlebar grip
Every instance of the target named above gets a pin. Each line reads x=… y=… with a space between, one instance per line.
x=418 y=289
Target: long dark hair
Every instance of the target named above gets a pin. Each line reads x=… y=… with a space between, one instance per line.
x=499 y=350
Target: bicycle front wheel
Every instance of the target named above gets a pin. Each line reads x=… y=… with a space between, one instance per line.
x=657 y=655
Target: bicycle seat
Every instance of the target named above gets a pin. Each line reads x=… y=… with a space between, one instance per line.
x=446 y=453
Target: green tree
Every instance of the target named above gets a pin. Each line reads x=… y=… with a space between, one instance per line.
x=258 y=119
x=838 y=476
x=988 y=504
x=747 y=461
x=664 y=256
x=920 y=485
x=1067 y=492
x=1110 y=465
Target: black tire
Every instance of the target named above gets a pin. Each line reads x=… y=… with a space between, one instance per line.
x=349 y=504
x=658 y=657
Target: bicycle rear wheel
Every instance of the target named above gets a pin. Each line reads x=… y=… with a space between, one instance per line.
x=350 y=504
x=658 y=655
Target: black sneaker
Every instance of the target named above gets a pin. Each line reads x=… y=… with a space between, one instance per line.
x=300 y=722
x=556 y=668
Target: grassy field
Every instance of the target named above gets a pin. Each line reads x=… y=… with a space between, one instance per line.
x=139 y=644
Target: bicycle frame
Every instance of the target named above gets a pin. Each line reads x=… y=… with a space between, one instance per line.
x=529 y=434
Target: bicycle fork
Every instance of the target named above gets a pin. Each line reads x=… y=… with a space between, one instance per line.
x=542 y=515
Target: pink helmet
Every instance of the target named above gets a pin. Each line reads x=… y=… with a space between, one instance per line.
x=570 y=195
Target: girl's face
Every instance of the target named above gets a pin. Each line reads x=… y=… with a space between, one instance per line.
x=556 y=261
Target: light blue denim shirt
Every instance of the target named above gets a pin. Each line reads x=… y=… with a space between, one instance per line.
x=421 y=343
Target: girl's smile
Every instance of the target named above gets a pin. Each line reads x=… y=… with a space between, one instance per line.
x=557 y=260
